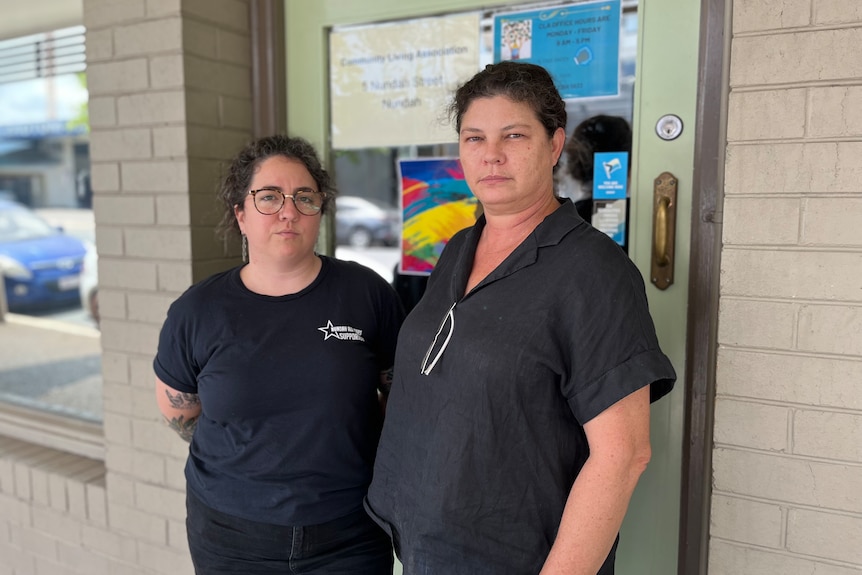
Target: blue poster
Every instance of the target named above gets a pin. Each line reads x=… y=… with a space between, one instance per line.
x=578 y=44
x=610 y=175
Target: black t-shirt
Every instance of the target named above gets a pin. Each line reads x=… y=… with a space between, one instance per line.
x=290 y=418
x=477 y=457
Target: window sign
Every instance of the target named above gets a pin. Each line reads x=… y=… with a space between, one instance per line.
x=436 y=203
x=578 y=44
x=609 y=216
x=390 y=83
x=610 y=175
x=610 y=189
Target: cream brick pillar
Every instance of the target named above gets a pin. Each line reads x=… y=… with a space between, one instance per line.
x=170 y=98
x=788 y=422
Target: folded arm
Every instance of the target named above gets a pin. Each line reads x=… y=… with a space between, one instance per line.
x=619 y=453
x=180 y=410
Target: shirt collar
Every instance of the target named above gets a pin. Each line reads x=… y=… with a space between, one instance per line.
x=549 y=232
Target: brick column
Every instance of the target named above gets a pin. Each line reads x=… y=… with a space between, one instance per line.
x=170 y=98
x=788 y=422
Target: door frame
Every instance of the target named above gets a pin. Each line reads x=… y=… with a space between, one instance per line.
x=703 y=285
x=269 y=103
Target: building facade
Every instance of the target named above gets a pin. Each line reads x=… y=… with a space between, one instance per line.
x=776 y=428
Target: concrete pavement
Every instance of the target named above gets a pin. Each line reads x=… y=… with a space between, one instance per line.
x=51 y=365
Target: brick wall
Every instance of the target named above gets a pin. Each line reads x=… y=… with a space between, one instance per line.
x=170 y=98
x=788 y=423
x=53 y=514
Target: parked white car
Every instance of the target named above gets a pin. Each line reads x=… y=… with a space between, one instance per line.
x=364 y=222
x=89 y=286
x=362 y=257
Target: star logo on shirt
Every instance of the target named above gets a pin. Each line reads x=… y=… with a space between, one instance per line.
x=341 y=332
x=328 y=331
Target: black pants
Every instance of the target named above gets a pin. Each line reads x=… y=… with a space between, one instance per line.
x=222 y=544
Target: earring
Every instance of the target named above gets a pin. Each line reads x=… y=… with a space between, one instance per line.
x=244 y=249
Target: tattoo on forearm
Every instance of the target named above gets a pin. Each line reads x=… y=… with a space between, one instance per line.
x=183 y=400
x=185 y=428
x=386 y=381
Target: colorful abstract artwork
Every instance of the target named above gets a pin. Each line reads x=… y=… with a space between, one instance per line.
x=436 y=204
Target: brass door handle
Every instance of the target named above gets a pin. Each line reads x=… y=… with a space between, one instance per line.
x=664 y=230
x=659 y=241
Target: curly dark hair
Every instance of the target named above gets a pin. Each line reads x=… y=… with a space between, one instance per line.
x=520 y=82
x=241 y=169
x=596 y=134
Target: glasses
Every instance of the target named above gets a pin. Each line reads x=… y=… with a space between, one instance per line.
x=269 y=201
x=448 y=319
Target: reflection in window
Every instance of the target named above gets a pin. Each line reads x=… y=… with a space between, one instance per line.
x=50 y=356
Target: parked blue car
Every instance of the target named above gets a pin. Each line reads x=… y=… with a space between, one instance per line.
x=40 y=265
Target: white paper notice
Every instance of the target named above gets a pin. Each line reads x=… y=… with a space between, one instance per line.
x=390 y=84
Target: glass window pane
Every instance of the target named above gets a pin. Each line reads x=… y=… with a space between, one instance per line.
x=50 y=355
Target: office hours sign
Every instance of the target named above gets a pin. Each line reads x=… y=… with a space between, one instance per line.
x=579 y=44
x=390 y=83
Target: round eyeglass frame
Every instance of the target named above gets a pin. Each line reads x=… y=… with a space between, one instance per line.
x=300 y=207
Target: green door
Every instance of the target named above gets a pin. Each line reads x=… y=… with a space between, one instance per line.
x=666 y=84
x=667 y=35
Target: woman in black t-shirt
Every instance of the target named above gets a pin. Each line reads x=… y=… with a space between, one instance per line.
x=272 y=371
